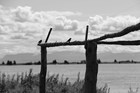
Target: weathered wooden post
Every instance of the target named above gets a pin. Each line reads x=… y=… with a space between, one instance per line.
x=91 y=65
x=43 y=71
x=91 y=68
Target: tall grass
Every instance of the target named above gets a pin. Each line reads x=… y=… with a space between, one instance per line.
x=29 y=83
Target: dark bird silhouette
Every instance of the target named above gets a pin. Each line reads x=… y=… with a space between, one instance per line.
x=69 y=40
x=39 y=41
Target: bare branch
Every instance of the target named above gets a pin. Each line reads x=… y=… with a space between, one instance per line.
x=119 y=34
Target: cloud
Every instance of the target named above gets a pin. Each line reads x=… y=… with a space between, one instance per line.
x=111 y=24
x=51 y=18
x=31 y=23
x=19 y=36
x=63 y=24
x=23 y=26
x=100 y=25
x=22 y=14
x=61 y=13
x=16 y=18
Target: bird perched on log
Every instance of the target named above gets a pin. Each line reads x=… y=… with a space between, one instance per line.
x=39 y=41
x=68 y=40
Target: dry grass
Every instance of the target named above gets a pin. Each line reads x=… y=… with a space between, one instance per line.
x=29 y=83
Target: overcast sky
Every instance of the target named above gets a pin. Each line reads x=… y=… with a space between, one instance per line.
x=86 y=7
x=24 y=22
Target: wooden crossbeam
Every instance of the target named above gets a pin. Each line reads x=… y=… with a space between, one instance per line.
x=135 y=42
x=130 y=43
x=119 y=34
x=99 y=40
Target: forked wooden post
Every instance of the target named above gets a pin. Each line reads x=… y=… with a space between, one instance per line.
x=43 y=71
x=91 y=68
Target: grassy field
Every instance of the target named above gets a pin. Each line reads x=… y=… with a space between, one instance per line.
x=29 y=83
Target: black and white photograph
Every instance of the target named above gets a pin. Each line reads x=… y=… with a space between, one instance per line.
x=69 y=46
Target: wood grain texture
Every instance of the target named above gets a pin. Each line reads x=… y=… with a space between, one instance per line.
x=91 y=68
x=43 y=70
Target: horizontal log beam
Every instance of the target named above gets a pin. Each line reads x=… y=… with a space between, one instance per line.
x=119 y=34
x=99 y=40
x=131 y=43
x=135 y=42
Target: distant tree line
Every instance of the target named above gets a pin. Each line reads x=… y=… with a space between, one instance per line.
x=55 y=62
x=9 y=62
x=126 y=61
x=32 y=63
x=98 y=61
x=67 y=62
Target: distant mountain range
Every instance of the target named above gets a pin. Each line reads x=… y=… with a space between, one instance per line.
x=71 y=56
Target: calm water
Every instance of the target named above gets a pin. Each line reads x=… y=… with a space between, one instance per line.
x=119 y=77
